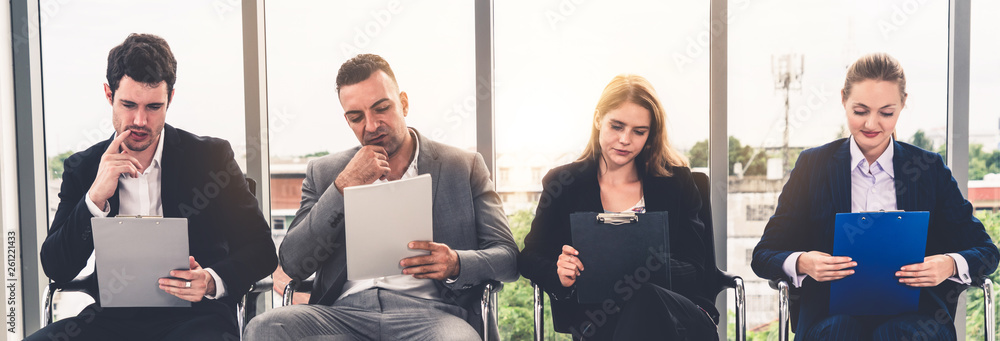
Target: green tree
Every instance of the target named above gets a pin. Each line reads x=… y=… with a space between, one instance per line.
x=982 y=163
x=736 y=154
x=743 y=155
x=943 y=150
x=974 y=309
x=517 y=301
x=698 y=155
x=317 y=154
x=920 y=139
x=56 y=164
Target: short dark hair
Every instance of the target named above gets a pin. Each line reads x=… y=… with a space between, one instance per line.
x=146 y=58
x=359 y=68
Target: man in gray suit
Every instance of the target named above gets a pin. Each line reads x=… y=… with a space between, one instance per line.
x=472 y=243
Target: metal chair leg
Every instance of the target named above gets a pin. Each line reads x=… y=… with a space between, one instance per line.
x=494 y=302
x=241 y=314
x=486 y=310
x=741 y=310
x=783 y=311
x=286 y=298
x=539 y=313
x=47 y=306
x=990 y=310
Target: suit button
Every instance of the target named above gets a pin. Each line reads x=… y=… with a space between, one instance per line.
x=86 y=235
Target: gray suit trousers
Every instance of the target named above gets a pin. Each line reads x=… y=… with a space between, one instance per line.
x=373 y=314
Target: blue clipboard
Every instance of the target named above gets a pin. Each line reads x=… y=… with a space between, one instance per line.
x=881 y=243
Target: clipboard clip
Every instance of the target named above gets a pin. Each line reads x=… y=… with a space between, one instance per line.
x=139 y=216
x=882 y=211
x=617 y=218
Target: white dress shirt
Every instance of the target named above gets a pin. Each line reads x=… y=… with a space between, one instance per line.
x=406 y=284
x=141 y=196
x=873 y=188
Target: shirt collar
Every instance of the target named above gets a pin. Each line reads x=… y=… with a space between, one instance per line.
x=412 y=169
x=158 y=155
x=884 y=161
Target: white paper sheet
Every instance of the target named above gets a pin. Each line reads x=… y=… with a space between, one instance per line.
x=381 y=219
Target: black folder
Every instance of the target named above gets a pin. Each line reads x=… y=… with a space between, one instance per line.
x=619 y=252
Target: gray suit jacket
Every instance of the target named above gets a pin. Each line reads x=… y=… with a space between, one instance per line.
x=468 y=217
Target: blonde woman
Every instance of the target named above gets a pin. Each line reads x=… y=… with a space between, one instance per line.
x=628 y=166
x=871 y=171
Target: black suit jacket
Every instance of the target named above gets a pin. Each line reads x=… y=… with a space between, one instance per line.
x=200 y=181
x=820 y=187
x=574 y=188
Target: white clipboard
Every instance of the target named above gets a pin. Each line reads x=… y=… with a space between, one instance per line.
x=380 y=220
x=133 y=253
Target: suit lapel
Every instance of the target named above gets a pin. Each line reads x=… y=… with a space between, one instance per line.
x=840 y=172
x=427 y=164
x=114 y=202
x=169 y=169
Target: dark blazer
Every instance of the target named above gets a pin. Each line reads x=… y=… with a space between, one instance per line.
x=820 y=187
x=200 y=181
x=468 y=217
x=574 y=188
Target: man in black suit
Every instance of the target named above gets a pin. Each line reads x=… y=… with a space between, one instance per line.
x=151 y=168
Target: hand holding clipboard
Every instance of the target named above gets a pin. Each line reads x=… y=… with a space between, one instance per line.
x=568 y=266
x=881 y=243
x=621 y=251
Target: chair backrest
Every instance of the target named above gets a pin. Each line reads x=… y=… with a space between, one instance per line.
x=715 y=282
x=253 y=186
x=705 y=190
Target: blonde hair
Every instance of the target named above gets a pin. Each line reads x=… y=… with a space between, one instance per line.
x=875 y=66
x=657 y=154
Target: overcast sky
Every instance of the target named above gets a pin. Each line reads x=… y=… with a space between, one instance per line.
x=552 y=59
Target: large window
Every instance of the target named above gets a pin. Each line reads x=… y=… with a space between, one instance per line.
x=307 y=41
x=434 y=63
x=984 y=138
x=984 y=117
x=76 y=38
x=553 y=59
x=779 y=75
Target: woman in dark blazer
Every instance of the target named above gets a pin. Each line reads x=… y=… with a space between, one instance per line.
x=628 y=166
x=870 y=171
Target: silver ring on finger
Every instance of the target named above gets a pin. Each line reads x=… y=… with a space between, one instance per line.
x=187 y=284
